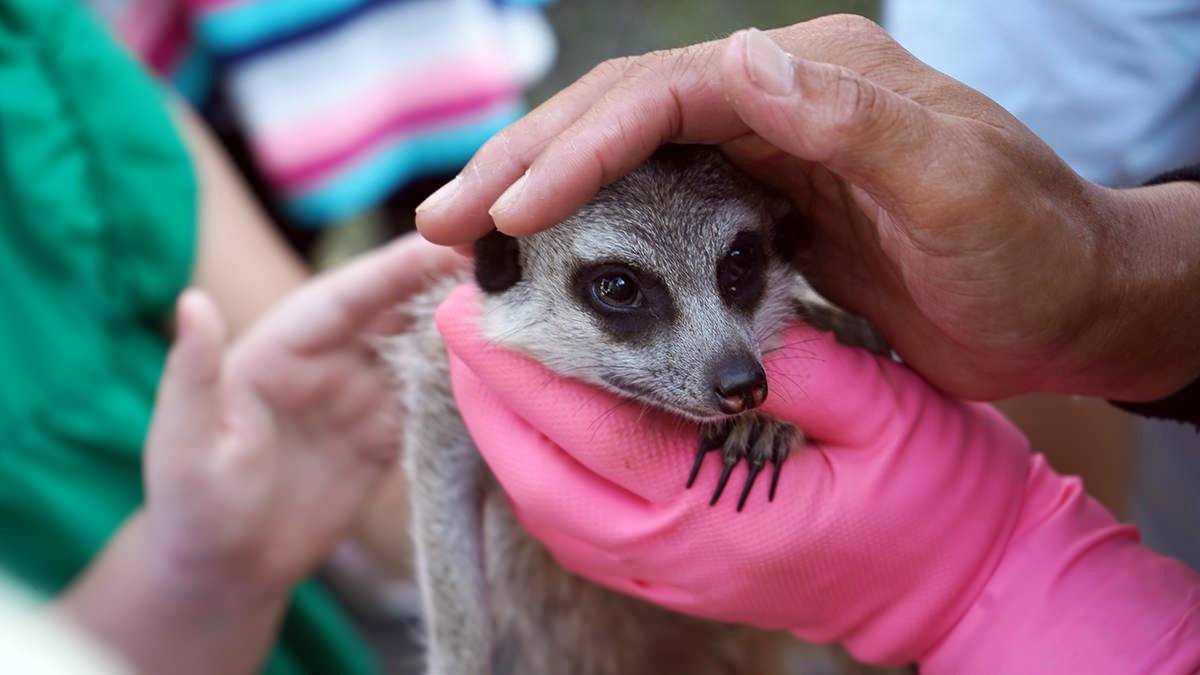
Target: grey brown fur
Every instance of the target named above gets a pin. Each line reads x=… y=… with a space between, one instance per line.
x=513 y=609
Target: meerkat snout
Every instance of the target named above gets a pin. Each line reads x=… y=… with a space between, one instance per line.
x=739 y=383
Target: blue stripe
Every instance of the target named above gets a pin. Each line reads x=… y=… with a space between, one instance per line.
x=240 y=26
x=194 y=76
x=377 y=175
x=314 y=28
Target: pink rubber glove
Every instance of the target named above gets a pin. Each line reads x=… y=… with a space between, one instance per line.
x=918 y=528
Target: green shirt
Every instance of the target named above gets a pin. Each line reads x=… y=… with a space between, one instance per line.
x=97 y=237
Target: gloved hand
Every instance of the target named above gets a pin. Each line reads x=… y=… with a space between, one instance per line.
x=887 y=528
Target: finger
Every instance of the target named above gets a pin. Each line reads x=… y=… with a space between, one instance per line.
x=457 y=213
x=186 y=409
x=835 y=393
x=669 y=97
x=642 y=451
x=604 y=565
x=553 y=491
x=829 y=114
x=340 y=305
x=609 y=122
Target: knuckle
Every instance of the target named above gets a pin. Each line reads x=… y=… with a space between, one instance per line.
x=660 y=57
x=499 y=145
x=855 y=24
x=615 y=67
x=855 y=101
x=649 y=64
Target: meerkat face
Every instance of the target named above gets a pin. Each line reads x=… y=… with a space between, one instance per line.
x=666 y=288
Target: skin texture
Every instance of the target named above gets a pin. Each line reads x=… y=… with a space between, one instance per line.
x=991 y=267
x=258 y=460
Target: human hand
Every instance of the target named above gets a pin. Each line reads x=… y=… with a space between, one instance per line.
x=880 y=535
x=915 y=528
x=259 y=457
x=990 y=266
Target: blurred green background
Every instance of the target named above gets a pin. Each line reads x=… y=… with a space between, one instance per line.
x=590 y=31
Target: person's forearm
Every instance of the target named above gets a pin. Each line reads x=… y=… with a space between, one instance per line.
x=162 y=620
x=241 y=261
x=1140 y=343
x=1075 y=593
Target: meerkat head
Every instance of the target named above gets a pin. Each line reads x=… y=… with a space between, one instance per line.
x=666 y=287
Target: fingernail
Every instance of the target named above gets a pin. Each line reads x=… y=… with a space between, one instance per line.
x=768 y=66
x=441 y=196
x=509 y=198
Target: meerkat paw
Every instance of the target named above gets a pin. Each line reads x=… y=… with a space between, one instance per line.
x=753 y=438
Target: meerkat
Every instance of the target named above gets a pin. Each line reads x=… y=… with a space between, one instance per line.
x=667 y=288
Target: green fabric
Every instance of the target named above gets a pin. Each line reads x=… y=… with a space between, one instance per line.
x=97 y=236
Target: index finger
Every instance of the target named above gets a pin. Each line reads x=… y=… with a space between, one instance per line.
x=589 y=135
x=339 y=305
x=600 y=128
x=457 y=213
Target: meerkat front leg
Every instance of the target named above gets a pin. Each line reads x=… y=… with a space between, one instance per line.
x=755 y=438
x=446 y=478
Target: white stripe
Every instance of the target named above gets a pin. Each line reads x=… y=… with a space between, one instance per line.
x=298 y=82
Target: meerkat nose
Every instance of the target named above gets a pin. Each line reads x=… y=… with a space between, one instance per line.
x=739 y=384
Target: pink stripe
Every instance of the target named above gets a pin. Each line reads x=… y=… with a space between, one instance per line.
x=354 y=122
x=143 y=22
x=208 y=5
x=171 y=44
x=408 y=123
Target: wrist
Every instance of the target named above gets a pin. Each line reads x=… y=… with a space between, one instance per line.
x=202 y=584
x=1143 y=312
x=160 y=620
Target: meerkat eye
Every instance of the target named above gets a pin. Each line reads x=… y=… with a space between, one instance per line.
x=741 y=273
x=626 y=301
x=738 y=264
x=617 y=289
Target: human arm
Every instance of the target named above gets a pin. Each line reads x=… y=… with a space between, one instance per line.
x=1184 y=404
x=913 y=527
x=241 y=261
x=258 y=460
x=990 y=266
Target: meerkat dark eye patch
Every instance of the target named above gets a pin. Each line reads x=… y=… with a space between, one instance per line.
x=742 y=272
x=787 y=235
x=629 y=302
x=497 y=262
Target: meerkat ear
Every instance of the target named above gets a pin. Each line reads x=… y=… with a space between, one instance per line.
x=497 y=262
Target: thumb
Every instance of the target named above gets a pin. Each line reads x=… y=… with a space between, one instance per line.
x=828 y=114
x=835 y=393
x=187 y=394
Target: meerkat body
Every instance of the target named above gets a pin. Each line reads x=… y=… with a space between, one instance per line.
x=667 y=288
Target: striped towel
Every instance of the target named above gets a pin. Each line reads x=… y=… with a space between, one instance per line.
x=344 y=101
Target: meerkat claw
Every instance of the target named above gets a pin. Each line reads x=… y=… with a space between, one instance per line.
x=755 y=439
x=700 y=454
x=778 y=455
x=729 y=464
x=712 y=437
x=755 y=467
